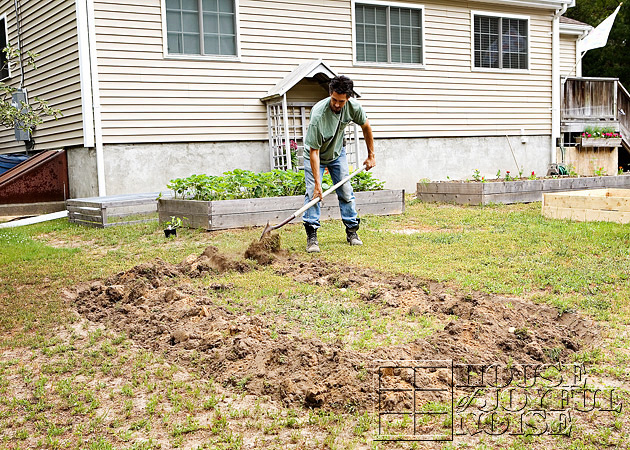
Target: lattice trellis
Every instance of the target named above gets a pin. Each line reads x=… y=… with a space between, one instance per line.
x=287 y=132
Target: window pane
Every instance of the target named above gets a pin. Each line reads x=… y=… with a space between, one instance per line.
x=486 y=41
x=210 y=23
x=226 y=24
x=370 y=52
x=175 y=43
x=226 y=6
x=359 y=14
x=395 y=35
x=228 y=45
x=381 y=53
x=211 y=44
x=415 y=19
x=210 y=5
x=190 y=22
x=381 y=35
x=381 y=16
x=173 y=4
x=189 y=5
x=370 y=14
x=514 y=43
x=173 y=21
x=191 y=44
x=405 y=36
x=396 y=54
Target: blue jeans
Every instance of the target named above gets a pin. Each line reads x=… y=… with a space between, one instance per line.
x=338 y=170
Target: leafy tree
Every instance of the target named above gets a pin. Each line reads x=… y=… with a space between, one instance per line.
x=613 y=60
x=28 y=116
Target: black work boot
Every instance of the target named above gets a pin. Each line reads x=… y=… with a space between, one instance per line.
x=351 y=234
x=311 y=239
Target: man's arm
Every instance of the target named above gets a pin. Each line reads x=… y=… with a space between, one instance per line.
x=369 y=142
x=314 y=158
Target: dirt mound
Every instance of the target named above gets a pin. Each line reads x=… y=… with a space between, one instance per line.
x=265 y=250
x=159 y=309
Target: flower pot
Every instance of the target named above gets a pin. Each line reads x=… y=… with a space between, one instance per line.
x=168 y=232
x=599 y=142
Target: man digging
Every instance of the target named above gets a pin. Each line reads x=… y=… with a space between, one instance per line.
x=324 y=141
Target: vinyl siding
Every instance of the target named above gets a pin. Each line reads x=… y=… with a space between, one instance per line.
x=567 y=55
x=146 y=97
x=49 y=30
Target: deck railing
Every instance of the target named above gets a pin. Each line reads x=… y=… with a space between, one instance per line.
x=590 y=99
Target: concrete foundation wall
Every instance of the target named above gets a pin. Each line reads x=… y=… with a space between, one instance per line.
x=401 y=163
x=404 y=162
x=137 y=168
x=82 y=172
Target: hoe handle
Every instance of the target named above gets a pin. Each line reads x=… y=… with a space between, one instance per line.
x=316 y=199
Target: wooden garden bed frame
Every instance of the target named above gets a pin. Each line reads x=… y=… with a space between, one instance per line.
x=607 y=205
x=224 y=214
x=521 y=191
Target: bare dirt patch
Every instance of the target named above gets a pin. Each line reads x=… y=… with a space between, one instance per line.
x=157 y=305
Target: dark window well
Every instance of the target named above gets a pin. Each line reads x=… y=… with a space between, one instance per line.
x=4 y=41
x=387 y=34
x=501 y=43
x=201 y=27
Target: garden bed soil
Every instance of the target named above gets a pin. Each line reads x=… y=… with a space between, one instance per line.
x=157 y=306
x=518 y=191
x=224 y=214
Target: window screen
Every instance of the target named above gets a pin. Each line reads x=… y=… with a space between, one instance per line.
x=201 y=27
x=500 y=43
x=387 y=34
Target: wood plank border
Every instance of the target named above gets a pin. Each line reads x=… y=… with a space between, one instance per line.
x=224 y=214
x=506 y=192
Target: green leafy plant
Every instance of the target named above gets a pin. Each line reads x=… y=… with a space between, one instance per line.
x=509 y=177
x=600 y=172
x=477 y=175
x=498 y=174
x=26 y=115
x=175 y=222
x=532 y=176
x=620 y=170
x=240 y=183
x=600 y=132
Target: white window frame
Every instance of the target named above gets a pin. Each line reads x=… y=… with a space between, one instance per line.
x=168 y=55
x=6 y=33
x=501 y=16
x=387 y=64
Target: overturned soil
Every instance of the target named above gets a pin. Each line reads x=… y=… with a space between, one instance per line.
x=157 y=306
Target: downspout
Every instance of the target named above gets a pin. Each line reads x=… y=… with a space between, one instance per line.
x=555 y=80
x=91 y=105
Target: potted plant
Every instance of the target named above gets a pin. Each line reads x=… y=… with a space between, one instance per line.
x=172 y=226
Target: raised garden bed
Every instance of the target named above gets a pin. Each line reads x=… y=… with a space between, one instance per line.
x=520 y=191
x=223 y=214
x=606 y=205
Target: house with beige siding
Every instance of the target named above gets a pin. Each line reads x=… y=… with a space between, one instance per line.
x=152 y=90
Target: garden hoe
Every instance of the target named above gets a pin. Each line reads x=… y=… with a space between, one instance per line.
x=270 y=228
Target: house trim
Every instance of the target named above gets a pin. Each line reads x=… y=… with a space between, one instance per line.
x=237 y=26
x=545 y=4
x=472 y=41
x=387 y=64
x=85 y=73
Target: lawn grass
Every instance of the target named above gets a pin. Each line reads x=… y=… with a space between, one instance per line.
x=66 y=384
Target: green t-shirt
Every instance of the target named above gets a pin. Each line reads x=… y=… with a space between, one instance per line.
x=325 y=130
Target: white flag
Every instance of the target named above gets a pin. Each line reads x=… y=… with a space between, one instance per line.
x=599 y=36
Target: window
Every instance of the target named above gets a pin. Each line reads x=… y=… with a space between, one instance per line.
x=4 y=41
x=501 y=42
x=201 y=27
x=388 y=34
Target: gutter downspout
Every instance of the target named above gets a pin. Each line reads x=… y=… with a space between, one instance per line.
x=556 y=94
x=91 y=105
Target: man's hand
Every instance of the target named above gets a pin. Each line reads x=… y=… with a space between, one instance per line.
x=369 y=162
x=369 y=142
x=317 y=192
